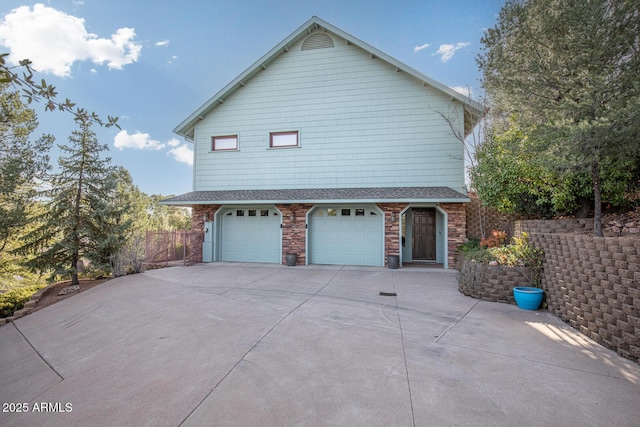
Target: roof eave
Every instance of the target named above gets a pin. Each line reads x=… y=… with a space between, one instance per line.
x=315 y=201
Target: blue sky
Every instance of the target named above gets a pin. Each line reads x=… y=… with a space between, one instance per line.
x=152 y=63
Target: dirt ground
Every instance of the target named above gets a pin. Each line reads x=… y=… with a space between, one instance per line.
x=50 y=295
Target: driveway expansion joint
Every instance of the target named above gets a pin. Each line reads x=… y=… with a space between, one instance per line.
x=243 y=358
x=37 y=352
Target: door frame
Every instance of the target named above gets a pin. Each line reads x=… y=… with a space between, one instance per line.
x=432 y=233
x=442 y=233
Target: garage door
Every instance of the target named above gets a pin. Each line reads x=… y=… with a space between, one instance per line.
x=350 y=236
x=250 y=235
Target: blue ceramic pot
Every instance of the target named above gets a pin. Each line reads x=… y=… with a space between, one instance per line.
x=528 y=298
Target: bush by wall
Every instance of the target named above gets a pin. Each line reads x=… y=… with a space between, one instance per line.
x=15 y=299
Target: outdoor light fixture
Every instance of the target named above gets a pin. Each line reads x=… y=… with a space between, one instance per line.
x=204 y=218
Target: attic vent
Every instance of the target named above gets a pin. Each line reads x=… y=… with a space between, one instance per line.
x=317 y=41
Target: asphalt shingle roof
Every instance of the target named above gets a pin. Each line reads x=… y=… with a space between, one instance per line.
x=344 y=195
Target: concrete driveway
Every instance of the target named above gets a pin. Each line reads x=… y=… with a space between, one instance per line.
x=267 y=345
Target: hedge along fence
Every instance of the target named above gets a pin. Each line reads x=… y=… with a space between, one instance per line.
x=592 y=283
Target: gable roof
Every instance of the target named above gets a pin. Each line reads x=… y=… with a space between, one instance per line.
x=472 y=110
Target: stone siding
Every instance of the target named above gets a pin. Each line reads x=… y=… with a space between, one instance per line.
x=391 y=228
x=294 y=231
x=198 y=214
x=592 y=283
x=457 y=227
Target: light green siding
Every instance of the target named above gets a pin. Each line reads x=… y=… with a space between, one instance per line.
x=362 y=123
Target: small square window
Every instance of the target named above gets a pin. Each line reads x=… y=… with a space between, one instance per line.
x=239 y=212
x=283 y=139
x=252 y=212
x=332 y=212
x=221 y=143
x=359 y=212
x=264 y=212
x=346 y=212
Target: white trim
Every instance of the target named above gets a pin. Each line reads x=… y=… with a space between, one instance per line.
x=445 y=244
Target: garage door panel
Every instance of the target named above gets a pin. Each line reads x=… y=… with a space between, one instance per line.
x=350 y=236
x=250 y=235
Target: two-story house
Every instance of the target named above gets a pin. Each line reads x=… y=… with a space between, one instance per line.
x=330 y=149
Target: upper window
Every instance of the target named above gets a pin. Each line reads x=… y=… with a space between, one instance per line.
x=228 y=142
x=283 y=139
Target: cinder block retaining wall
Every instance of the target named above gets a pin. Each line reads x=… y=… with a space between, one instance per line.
x=490 y=282
x=592 y=283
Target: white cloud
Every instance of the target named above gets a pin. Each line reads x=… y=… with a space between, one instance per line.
x=465 y=90
x=183 y=154
x=137 y=141
x=446 y=51
x=419 y=48
x=54 y=41
x=142 y=141
x=162 y=43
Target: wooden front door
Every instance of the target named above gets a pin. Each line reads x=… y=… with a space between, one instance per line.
x=424 y=234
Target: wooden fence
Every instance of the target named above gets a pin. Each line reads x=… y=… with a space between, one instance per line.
x=175 y=247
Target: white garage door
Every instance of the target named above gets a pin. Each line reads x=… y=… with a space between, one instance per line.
x=349 y=236
x=250 y=235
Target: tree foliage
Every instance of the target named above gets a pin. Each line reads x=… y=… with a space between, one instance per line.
x=90 y=210
x=509 y=177
x=23 y=163
x=22 y=79
x=84 y=218
x=567 y=70
x=513 y=177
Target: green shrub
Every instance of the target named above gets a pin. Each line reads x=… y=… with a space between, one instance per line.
x=15 y=299
x=520 y=253
x=474 y=252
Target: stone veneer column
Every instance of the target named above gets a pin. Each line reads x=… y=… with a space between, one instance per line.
x=294 y=230
x=391 y=228
x=457 y=229
x=197 y=224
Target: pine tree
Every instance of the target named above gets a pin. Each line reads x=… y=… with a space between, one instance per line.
x=23 y=163
x=83 y=221
x=568 y=70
